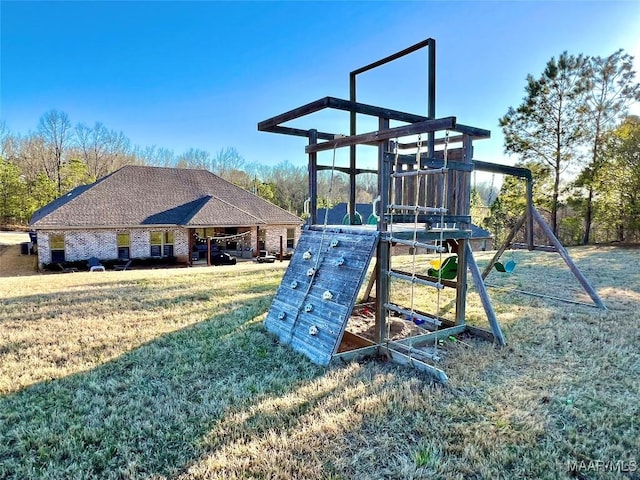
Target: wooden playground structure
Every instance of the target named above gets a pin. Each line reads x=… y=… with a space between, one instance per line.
x=424 y=169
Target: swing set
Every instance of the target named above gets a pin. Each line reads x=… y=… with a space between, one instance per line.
x=424 y=203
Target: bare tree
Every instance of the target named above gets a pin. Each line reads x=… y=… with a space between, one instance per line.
x=55 y=129
x=102 y=150
x=225 y=161
x=194 y=158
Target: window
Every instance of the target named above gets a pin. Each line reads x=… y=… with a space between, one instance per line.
x=155 y=239
x=124 y=244
x=161 y=244
x=56 y=244
x=291 y=237
x=168 y=244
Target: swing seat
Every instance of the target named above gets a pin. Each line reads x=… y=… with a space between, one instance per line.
x=505 y=268
x=447 y=271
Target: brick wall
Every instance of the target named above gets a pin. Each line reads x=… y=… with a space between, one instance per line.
x=83 y=244
x=274 y=232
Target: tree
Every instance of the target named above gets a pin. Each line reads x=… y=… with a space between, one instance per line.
x=511 y=203
x=619 y=181
x=12 y=193
x=55 y=130
x=291 y=185
x=611 y=89
x=42 y=191
x=194 y=158
x=226 y=160
x=102 y=150
x=548 y=127
x=74 y=173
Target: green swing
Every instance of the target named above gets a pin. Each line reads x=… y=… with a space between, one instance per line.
x=447 y=271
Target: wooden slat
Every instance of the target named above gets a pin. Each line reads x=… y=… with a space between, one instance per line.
x=329 y=316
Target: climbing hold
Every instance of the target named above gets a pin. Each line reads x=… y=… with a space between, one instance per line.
x=340 y=261
x=334 y=242
x=327 y=295
x=313 y=330
x=307 y=255
x=308 y=307
x=311 y=272
x=294 y=284
x=282 y=315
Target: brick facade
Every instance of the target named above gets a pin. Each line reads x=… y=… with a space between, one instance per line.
x=83 y=244
x=102 y=244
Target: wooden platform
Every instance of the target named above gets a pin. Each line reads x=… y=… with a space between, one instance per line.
x=310 y=310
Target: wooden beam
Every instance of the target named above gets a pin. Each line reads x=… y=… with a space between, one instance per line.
x=298 y=132
x=395 y=56
x=567 y=259
x=502 y=169
x=386 y=134
x=356 y=354
x=346 y=170
x=484 y=297
x=312 y=107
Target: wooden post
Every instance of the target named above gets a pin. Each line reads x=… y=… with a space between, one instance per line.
x=190 y=232
x=382 y=252
x=567 y=259
x=313 y=179
x=529 y=213
x=484 y=297
x=281 y=248
x=208 y=251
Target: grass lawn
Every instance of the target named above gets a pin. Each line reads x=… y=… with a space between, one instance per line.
x=170 y=374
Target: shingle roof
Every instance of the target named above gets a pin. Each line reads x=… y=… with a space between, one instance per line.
x=137 y=195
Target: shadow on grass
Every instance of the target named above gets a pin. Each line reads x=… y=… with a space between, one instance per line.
x=143 y=413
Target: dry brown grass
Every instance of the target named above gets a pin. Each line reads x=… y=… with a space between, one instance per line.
x=169 y=373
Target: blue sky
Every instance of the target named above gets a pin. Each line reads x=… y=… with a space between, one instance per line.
x=203 y=74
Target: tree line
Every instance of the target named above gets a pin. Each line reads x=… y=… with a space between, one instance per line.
x=571 y=129
x=574 y=132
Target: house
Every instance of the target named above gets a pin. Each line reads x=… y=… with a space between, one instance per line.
x=480 y=240
x=146 y=212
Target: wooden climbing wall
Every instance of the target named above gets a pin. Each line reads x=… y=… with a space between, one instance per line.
x=319 y=289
